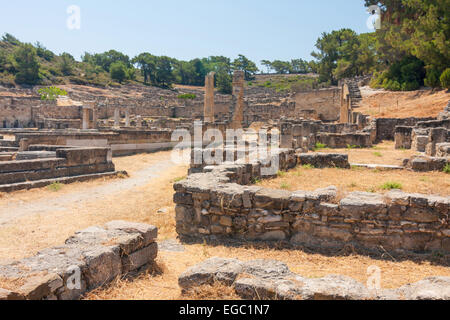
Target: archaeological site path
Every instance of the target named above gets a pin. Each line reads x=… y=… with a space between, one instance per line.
x=43 y=216
x=16 y=210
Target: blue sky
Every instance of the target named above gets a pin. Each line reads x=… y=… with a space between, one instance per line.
x=259 y=29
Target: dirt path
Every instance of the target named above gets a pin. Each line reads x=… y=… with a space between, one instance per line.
x=16 y=210
x=41 y=218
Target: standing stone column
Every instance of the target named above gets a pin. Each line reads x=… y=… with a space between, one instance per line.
x=237 y=107
x=85 y=118
x=138 y=121
x=94 y=118
x=117 y=117
x=209 y=98
x=127 y=118
x=345 y=105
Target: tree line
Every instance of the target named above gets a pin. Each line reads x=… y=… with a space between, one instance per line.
x=410 y=50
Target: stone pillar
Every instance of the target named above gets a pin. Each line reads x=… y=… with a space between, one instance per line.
x=209 y=98
x=85 y=118
x=23 y=144
x=127 y=118
x=345 y=104
x=139 y=121
x=237 y=107
x=117 y=117
x=94 y=118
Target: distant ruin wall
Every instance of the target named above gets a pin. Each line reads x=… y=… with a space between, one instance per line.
x=326 y=102
x=66 y=162
x=386 y=127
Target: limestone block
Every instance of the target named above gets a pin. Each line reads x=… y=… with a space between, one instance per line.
x=39 y=287
x=214 y=269
x=148 y=232
x=139 y=258
x=102 y=266
x=9 y=295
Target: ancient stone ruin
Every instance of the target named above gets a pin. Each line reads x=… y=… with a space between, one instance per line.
x=91 y=258
x=272 y=280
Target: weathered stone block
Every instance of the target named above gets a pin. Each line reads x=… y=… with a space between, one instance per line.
x=39 y=287
x=139 y=258
x=102 y=266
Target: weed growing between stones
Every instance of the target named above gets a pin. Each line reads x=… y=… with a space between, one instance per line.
x=55 y=187
x=392 y=186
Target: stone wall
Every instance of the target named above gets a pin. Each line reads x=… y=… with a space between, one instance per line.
x=216 y=203
x=273 y=280
x=66 y=162
x=90 y=259
x=124 y=141
x=385 y=127
x=326 y=102
x=425 y=163
x=306 y=133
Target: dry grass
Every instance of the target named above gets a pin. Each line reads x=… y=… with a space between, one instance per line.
x=141 y=205
x=367 y=180
x=383 y=153
x=360 y=179
x=421 y=103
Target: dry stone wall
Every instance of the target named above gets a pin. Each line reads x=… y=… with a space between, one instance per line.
x=219 y=203
x=43 y=165
x=273 y=280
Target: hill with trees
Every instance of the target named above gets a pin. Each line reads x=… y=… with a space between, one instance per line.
x=411 y=49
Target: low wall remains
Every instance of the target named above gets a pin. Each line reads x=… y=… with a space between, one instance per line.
x=217 y=203
x=90 y=259
x=68 y=162
x=273 y=280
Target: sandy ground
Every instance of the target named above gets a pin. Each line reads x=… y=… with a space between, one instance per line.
x=388 y=104
x=28 y=228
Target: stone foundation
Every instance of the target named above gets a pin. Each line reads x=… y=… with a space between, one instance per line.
x=59 y=162
x=273 y=280
x=215 y=203
x=88 y=260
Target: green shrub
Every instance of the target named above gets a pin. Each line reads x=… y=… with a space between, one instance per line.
x=187 y=96
x=405 y=75
x=319 y=146
x=118 y=71
x=432 y=79
x=281 y=174
x=55 y=187
x=410 y=86
x=51 y=93
x=377 y=154
x=255 y=180
x=308 y=166
x=445 y=79
x=285 y=186
x=391 y=186
x=447 y=168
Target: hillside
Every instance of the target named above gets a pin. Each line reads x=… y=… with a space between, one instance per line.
x=389 y=104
